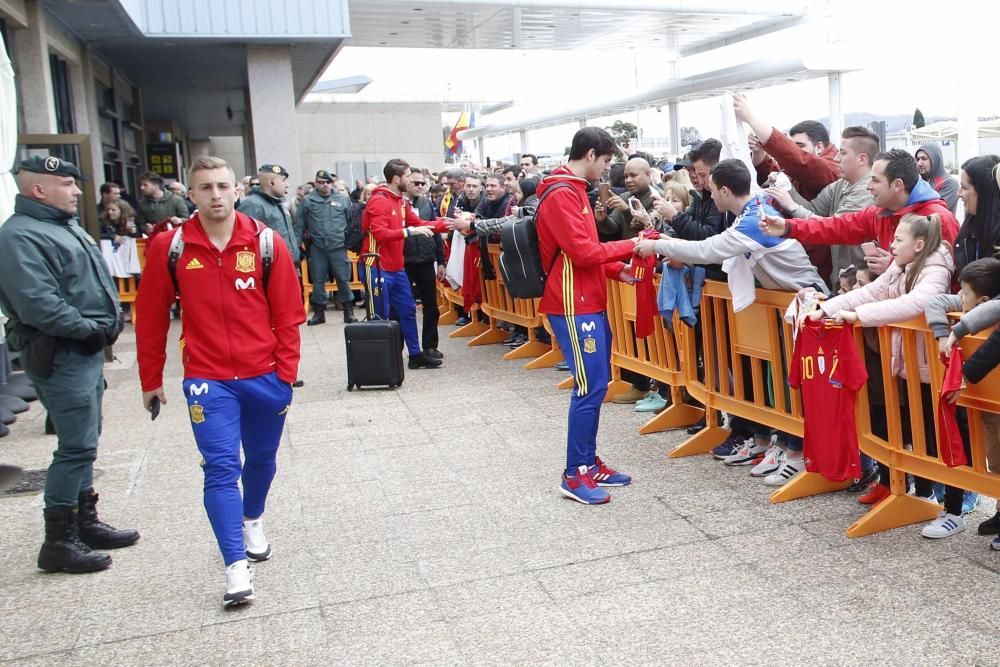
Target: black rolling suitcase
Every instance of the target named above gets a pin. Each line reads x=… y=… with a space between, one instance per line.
x=374 y=346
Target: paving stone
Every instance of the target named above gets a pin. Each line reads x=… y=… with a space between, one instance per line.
x=424 y=526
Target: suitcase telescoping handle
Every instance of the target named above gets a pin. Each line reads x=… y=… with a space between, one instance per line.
x=371 y=314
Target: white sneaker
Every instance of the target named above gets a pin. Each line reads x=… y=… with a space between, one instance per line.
x=773 y=459
x=944 y=526
x=255 y=541
x=745 y=455
x=789 y=469
x=239 y=584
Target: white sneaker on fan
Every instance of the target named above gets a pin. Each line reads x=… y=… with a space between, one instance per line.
x=772 y=460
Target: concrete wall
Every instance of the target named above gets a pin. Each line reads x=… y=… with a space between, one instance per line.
x=229 y=149
x=369 y=133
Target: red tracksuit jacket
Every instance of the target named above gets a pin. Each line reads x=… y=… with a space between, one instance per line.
x=382 y=222
x=231 y=329
x=566 y=223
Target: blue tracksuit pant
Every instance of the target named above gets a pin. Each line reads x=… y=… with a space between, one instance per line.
x=223 y=414
x=586 y=342
x=391 y=294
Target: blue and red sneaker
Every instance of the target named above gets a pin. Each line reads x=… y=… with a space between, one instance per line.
x=582 y=488
x=605 y=476
x=729 y=447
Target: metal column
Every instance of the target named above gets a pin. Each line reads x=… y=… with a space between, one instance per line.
x=673 y=108
x=836 y=108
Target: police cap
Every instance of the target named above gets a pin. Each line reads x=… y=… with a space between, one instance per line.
x=273 y=169
x=51 y=165
x=324 y=175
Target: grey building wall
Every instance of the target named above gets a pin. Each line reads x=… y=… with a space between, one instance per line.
x=368 y=134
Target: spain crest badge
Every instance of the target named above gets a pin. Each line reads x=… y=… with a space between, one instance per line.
x=246 y=262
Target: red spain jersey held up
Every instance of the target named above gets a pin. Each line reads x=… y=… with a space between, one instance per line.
x=827 y=368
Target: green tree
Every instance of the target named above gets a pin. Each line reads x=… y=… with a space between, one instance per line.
x=622 y=131
x=690 y=136
x=918 y=118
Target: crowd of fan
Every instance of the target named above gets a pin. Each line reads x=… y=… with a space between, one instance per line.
x=878 y=227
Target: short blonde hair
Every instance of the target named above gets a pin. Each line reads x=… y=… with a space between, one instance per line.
x=209 y=163
x=679 y=191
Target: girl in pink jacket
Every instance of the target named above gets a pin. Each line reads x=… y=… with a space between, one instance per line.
x=921 y=268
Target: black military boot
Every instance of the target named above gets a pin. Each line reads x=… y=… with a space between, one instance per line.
x=349 y=313
x=63 y=550
x=319 y=316
x=95 y=533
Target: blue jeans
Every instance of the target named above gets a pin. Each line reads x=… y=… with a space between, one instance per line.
x=224 y=414
x=586 y=341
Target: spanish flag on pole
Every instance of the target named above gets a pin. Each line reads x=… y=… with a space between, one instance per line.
x=454 y=146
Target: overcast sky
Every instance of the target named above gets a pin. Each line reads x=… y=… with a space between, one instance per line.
x=910 y=59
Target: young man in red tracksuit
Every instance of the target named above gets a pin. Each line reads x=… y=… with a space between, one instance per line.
x=240 y=350
x=575 y=300
x=388 y=220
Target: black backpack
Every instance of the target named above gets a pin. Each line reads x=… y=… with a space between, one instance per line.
x=353 y=236
x=520 y=258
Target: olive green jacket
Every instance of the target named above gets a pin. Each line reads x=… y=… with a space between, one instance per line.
x=54 y=277
x=325 y=218
x=152 y=211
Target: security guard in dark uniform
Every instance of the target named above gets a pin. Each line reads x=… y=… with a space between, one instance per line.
x=63 y=309
x=323 y=214
x=264 y=203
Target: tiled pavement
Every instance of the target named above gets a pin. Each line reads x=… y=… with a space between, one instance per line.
x=423 y=525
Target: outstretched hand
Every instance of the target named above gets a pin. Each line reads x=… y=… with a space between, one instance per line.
x=772 y=225
x=645 y=248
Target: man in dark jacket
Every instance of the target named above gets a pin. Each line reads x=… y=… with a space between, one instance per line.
x=63 y=309
x=930 y=164
x=701 y=219
x=323 y=214
x=419 y=254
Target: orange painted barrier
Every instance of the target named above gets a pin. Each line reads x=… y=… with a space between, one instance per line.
x=307 y=286
x=500 y=306
x=903 y=401
x=656 y=356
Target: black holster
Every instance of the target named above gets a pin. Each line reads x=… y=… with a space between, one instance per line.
x=37 y=351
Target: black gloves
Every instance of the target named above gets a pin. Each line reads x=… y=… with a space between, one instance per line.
x=95 y=342
x=101 y=338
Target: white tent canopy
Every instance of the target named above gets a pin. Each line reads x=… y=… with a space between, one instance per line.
x=947 y=130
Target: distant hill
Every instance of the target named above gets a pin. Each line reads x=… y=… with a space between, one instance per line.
x=892 y=123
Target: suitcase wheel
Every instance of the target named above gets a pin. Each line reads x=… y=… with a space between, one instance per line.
x=350 y=387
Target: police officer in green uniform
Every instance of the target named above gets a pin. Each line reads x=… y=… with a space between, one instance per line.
x=264 y=203
x=323 y=215
x=63 y=309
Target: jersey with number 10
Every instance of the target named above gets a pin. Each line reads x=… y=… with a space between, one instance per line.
x=827 y=368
